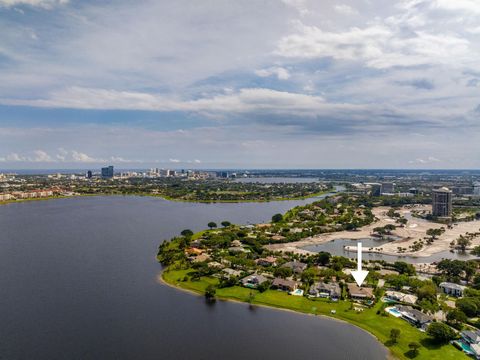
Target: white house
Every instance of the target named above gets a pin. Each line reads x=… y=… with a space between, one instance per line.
x=452 y=289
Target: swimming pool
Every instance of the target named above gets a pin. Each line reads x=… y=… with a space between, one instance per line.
x=298 y=292
x=393 y=311
x=464 y=346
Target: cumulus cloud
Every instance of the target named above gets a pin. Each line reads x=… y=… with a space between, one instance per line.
x=61 y=156
x=316 y=71
x=423 y=161
x=83 y=158
x=46 y=4
x=378 y=45
x=344 y=9
x=174 y=161
x=280 y=72
x=41 y=156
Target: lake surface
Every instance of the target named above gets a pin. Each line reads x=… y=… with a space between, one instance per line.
x=78 y=280
x=336 y=247
x=277 y=180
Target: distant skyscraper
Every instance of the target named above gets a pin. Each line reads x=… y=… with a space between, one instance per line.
x=376 y=188
x=88 y=175
x=107 y=172
x=442 y=202
x=476 y=189
x=388 y=188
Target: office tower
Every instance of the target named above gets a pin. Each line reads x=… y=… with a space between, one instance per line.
x=442 y=202
x=107 y=172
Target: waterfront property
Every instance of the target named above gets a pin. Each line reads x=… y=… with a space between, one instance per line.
x=452 y=289
x=284 y=284
x=360 y=293
x=253 y=281
x=414 y=316
x=469 y=343
x=322 y=289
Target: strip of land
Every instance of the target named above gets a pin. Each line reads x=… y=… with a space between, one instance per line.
x=414 y=231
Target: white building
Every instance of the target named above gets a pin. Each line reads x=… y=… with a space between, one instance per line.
x=452 y=289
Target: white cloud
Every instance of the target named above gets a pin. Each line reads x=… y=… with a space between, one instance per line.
x=41 y=156
x=299 y=5
x=468 y=6
x=174 y=160
x=344 y=9
x=84 y=158
x=379 y=45
x=14 y=157
x=280 y=72
x=428 y=160
x=46 y=4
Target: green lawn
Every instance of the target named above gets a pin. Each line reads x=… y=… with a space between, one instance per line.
x=377 y=325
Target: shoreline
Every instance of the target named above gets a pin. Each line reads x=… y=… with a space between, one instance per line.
x=408 y=235
x=161 y=280
x=169 y=198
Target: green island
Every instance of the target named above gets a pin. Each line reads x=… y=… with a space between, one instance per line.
x=413 y=315
x=170 y=188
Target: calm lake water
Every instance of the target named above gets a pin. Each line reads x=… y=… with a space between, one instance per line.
x=78 y=280
x=336 y=247
x=277 y=180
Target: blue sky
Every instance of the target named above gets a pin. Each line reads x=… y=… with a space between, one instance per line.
x=275 y=84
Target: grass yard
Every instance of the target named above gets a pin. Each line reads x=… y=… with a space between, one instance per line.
x=368 y=320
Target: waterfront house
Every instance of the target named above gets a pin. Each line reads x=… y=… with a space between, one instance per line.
x=252 y=281
x=452 y=289
x=414 y=316
x=296 y=266
x=471 y=337
x=321 y=289
x=360 y=293
x=284 y=285
x=400 y=297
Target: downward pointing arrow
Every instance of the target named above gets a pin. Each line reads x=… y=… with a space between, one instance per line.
x=360 y=274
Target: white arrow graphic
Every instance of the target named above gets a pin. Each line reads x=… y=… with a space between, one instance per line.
x=360 y=274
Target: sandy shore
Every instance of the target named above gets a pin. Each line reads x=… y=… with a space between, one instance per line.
x=414 y=230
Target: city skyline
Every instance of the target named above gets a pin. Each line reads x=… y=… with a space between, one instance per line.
x=276 y=84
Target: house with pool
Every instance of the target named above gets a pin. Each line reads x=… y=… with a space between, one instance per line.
x=469 y=343
x=325 y=290
x=253 y=281
x=413 y=316
x=360 y=293
x=285 y=285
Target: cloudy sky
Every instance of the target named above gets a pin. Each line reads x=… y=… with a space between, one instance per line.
x=229 y=84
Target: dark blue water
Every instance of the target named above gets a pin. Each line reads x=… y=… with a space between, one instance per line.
x=78 y=280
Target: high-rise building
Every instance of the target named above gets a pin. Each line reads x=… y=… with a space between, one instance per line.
x=107 y=172
x=388 y=188
x=375 y=188
x=88 y=175
x=442 y=202
x=476 y=189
